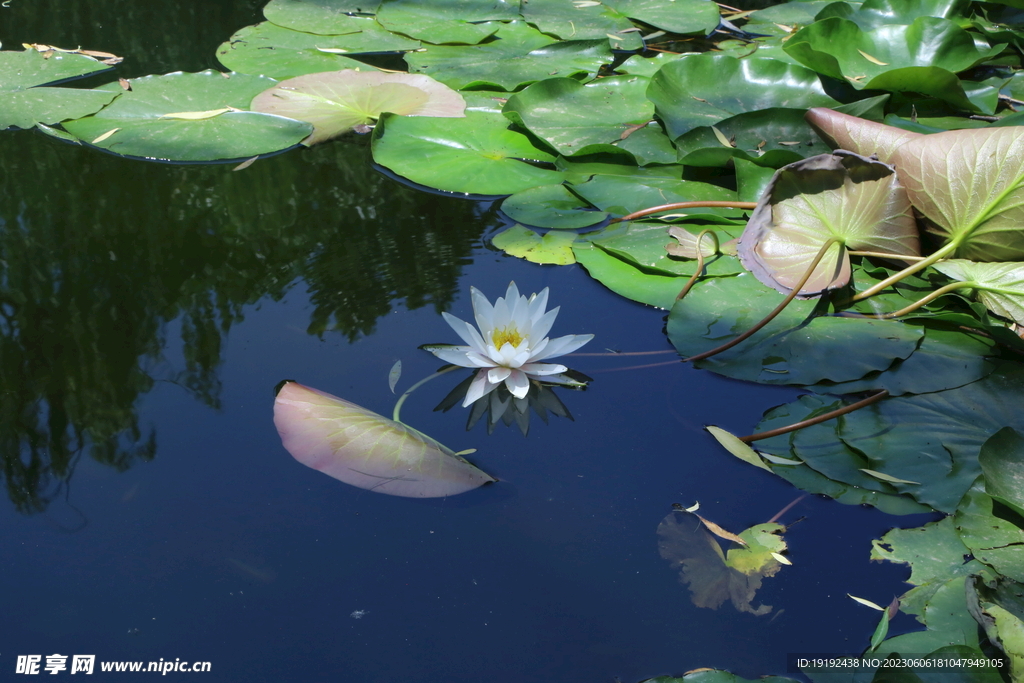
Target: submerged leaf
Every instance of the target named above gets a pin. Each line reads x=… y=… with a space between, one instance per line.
x=364 y=449
x=338 y=101
x=845 y=197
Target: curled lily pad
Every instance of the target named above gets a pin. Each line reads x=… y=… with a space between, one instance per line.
x=338 y=101
x=1000 y=286
x=852 y=200
x=855 y=134
x=364 y=449
x=969 y=185
x=189 y=117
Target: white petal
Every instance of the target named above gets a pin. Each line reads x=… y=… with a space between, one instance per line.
x=544 y=323
x=538 y=302
x=518 y=384
x=537 y=349
x=512 y=293
x=456 y=355
x=541 y=369
x=479 y=388
x=501 y=318
x=479 y=360
x=466 y=331
x=482 y=311
x=564 y=345
x=498 y=375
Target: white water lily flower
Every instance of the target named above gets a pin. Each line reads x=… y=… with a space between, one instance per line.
x=510 y=342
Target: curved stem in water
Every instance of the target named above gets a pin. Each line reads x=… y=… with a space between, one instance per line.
x=816 y=420
x=894 y=257
x=771 y=316
x=685 y=205
x=401 y=399
x=700 y=262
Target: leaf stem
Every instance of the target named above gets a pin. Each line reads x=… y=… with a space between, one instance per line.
x=700 y=262
x=401 y=399
x=874 y=398
x=909 y=270
x=771 y=316
x=685 y=205
x=918 y=304
x=882 y=254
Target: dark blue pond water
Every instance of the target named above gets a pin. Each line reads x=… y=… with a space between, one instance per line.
x=147 y=313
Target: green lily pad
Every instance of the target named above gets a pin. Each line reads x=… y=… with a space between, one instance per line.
x=441 y=23
x=945 y=359
x=648 y=145
x=571 y=116
x=551 y=206
x=1002 y=461
x=702 y=89
x=1000 y=286
x=969 y=185
x=24 y=106
x=552 y=248
x=806 y=476
x=476 y=154
x=523 y=53
x=28 y=68
x=336 y=102
x=853 y=201
x=623 y=194
x=643 y=244
x=582 y=21
x=269 y=50
x=189 y=117
x=794 y=348
x=993 y=539
x=874 y=13
x=768 y=137
x=317 y=16
x=922 y=57
x=932 y=438
x=679 y=16
x=627 y=280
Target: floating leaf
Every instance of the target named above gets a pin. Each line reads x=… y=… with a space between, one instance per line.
x=394 y=375
x=446 y=23
x=571 y=116
x=197 y=115
x=702 y=89
x=852 y=200
x=551 y=206
x=232 y=135
x=1002 y=461
x=738 y=448
x=679 y=16
x=553 y=247
x=794 y=348
x=886 y=477
x=993 y=536
x=866 y=602
x=364 y=449
x=269 y=50
x=317 y=16
x=720 y=532
x=645 y=245
x=338 y=101
x=476 y=154
x=523 y=53
x=969 y=184
x=627 y=280
x=581 y=21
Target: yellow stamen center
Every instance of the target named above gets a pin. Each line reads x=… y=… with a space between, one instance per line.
x=506 y=335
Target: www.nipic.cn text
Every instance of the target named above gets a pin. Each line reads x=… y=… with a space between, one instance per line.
x=86 y=664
